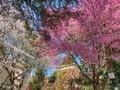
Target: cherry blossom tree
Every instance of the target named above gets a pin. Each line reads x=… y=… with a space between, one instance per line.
x=14 y=56
x=90 y=31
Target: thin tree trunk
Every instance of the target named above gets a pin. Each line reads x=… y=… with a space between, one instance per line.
x=96 y=86
x=95 y=78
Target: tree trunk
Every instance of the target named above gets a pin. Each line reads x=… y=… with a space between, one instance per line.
x=95 y=79
x=96 y=86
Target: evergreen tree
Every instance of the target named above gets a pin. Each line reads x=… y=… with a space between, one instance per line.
x=38 y=79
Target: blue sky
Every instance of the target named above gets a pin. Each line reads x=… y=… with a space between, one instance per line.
x=51 y=70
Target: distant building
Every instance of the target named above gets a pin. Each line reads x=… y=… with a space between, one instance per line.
x=66 y=75
x=45 y=81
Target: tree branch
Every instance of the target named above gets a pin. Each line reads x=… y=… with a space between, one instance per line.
x=81 y=69
x=19 y=50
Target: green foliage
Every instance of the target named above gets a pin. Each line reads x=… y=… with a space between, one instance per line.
x=36 y=85
x=116 y=66
x=41 y=67
x=86 y=87
x=103 y=72
x=52 y=79
x=40 y=74
x=38 y=78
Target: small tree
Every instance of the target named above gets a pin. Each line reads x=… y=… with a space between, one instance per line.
x=41 y=66
x=37 y=82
